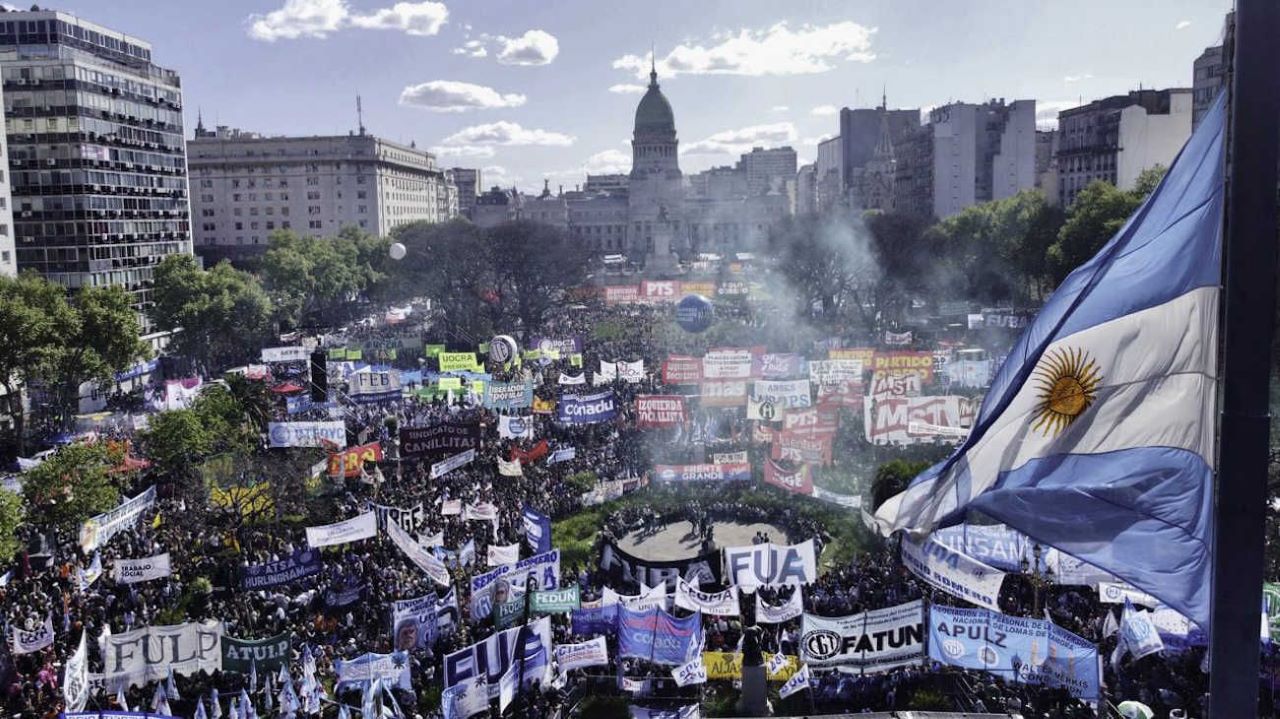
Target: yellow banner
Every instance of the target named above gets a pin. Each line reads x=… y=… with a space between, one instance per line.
x=544 y=406
x=458 y=362
x=255 y=499
x=728 y=665
x=447 y=383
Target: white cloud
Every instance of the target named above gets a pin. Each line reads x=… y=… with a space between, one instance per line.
x=299 y=18
x=824 y=110
x=450 y=96
x=414 y=18
x=499 y=176
x=1070 y=79
x=319 y=18
x=732 y=142
x=507 y=133
x=463 y=151
x=608 y=162
x=778 y=50
x=471 y=48
x=1182 y=25
x=627 y=88
x=535 y=47
x=780 y=108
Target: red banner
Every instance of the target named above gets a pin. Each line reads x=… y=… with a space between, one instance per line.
x=761 y=432
x=350 y=461
x=537 y=452
x=902 y=363
x=660 y=290
x=799 y=480
x=621 y=294
x=801 y=448
x=814 y=422
x=682 y=369
x=660 y=410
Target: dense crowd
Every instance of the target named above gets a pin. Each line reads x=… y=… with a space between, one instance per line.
x=344 y=611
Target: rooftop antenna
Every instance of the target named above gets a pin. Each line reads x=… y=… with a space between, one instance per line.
x=359 y=116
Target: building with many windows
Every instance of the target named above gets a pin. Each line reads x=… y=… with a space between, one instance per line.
x=246 y=186
x=8 y=253
x=1116 y=138
x=95 y=153
x=468 y=182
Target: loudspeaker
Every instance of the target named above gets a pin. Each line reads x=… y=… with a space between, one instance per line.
x=319 y=376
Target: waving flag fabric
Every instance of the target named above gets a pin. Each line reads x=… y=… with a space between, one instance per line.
x=1097 y=436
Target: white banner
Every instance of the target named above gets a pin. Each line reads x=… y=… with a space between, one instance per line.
x=730 y=457
x=771 y=564
x=25 y=642
x=631 y=372
x=874 y=641
x=692 y=672
x=500 y=555
x=130 y=571
x=510 y=469
x=727 y=364
x=797 y=683
x=788 y=610
x=362 y=384
x=1117 y=592
x=563 y=455
x=285 y=354
x=954 y=573
x=445 y=466
x=148 y=654
x=419 y=555
x=514 y=427
x=822 y=372
x=789 y=394
x=847 y=501
x=98 y=530
x=907 y=420
x=648 y=598
x=361 y=526
x=580 y=378
x=716 y=604
x=75 y=681
x=608 y=373
x=594 y=653
x=307 y=434
x=483 y=512
x=451 y=507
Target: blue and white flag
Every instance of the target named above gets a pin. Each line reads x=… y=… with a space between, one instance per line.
x=1138 y=635
x=1097 y=436
x=798 y=682
x=537 y=530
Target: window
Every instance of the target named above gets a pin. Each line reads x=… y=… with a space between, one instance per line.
x=360 y=194
x=253 y=225
x=314 y=224
x=271 y=225
x=363 y=209
x=206 y=212
x=313 y=210
x=239 y=225
x=206 y=198
x=284 y=211
x=313 y=195
x=313 y=181
x=285 y=225
x=235 y=197
x=236 y=211
x=206 y=183
x=253 y=212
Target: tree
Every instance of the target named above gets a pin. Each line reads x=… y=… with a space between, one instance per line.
x=309 y=278
x=893 y=477
x=531 y=265
x=829 y=265
x=449 y=263
x=11 y=515
x=224 y=313
x=1099 y=211
x=99 y=337
x=175 y=441
x=31 y=309
x=70 y=486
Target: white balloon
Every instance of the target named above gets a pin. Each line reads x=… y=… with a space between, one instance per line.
x=397 y=251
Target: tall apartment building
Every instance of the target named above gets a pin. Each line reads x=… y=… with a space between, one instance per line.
x=966 y=155
x=829 y=174
x=807 y=189
x=245 y=186
x=95 y=150
x=8 y=250
x=1209 y=73
x=1116 y=138
x=767 y=169
x=468 y=182
x=863 y=130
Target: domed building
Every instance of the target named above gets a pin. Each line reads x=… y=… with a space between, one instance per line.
x=654 y=214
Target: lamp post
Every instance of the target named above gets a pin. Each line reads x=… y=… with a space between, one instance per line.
x=1038 y=577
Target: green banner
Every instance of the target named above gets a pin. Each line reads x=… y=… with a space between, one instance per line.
x=508 y=613
x=449 y=383
x=458 y=362
x=555 y=601
x=354 y=353
x=337 y=354
x=531 y=354
x=238 y=655
x=575 y=360
x=484 y=348
x=432 y=350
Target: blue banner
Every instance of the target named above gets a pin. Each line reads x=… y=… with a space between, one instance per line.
x=994 y=545
x=508 y=395
x=658 y=637
x=537 y=530
x=297 y=403
x=587 y=409
x=1034 y=651
x=299 y=565
x=595 y=620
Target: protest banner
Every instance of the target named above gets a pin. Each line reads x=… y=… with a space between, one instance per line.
x=146 y=655
x=132 y=571
x=307 y=434
x=508 y=395
x=349 y=462
x=716 y=604
x=660 y=410
x=99 y=529
x=873 y=641
x=952 y=572
x=771 y=564
x=738 y=472
x=594 y=653
x=361 y=526
x=299 y=565
x=587 y=409
x=266 y=655
x=798 y=480
x=443 y=467
x=657 y=637
x=440 y=440
x=621 y=567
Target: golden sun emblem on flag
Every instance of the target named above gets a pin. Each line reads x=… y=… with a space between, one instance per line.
x=1067 y=381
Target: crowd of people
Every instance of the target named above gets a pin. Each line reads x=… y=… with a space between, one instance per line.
x=343 y=612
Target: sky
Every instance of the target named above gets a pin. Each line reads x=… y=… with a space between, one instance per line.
x=546 y=89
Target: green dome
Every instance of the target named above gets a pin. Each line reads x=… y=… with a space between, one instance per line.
x=653 y=114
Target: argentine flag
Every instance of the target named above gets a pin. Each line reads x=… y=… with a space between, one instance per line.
x=1097 y=436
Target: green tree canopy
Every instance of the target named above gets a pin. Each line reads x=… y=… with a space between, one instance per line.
x=310 y=279
x=224 y=313
x=70 y=486
x=1099 y=211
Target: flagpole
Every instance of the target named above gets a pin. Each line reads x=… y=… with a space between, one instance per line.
x=1253 y=132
